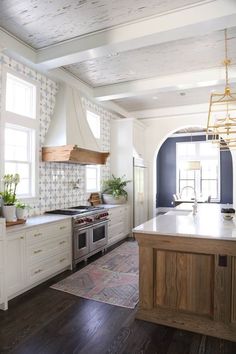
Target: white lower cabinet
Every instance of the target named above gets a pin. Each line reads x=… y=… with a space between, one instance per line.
x=119 y=223
x=15 y=263
x=2 y=285
x=37 y=254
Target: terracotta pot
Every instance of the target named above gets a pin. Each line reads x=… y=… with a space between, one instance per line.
x=109 y=199
x=9 y=212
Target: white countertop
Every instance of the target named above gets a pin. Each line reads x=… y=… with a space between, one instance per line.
x=207 y=223
x=37 y=221
x=48 y=218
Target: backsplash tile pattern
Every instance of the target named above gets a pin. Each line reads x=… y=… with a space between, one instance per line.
x=56 y=180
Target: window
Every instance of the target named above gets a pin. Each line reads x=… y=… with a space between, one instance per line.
x=19 y=157
x=20 y=96
x=92 y=178
x=206 y=181
x=94 y=124
x=20 y=132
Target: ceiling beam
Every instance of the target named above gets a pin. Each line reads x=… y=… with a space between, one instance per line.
x=175 y=82
x=197 y=19
x=15 y=47
x=177 y=111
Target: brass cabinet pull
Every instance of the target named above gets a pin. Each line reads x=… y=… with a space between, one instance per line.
x=22 y=237
x=38 y=234
x=38 y=271
x=38 y=251
x=61 y=243
x=62 y=227
x=62 y=260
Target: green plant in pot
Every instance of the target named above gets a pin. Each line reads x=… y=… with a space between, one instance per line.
x=113 y=190
x=21 y=209
x=8 y=196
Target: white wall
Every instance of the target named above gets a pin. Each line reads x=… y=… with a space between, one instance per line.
x=156 y=133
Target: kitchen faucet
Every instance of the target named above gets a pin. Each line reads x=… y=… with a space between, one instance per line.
x=195 y=198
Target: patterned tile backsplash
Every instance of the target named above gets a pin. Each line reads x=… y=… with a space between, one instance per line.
x=56 y=180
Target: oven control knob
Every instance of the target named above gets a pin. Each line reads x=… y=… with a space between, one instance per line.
x=88 y=219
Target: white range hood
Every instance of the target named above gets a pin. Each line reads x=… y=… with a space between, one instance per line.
x=69 y=136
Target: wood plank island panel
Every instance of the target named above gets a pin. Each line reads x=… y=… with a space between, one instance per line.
x=188 y=288
x=184 y=281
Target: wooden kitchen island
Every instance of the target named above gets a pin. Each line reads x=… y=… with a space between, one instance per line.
x=188 y=271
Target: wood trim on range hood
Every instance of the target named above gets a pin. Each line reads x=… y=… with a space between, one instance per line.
x=73 y=154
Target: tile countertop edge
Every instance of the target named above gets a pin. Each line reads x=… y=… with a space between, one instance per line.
x=38 y=220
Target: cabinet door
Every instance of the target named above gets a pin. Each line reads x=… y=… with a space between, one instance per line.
x=15 y=263
x=185 y=281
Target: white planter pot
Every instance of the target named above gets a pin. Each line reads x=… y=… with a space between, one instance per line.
x=20 y=213
x=109 y=199
x=9 y=212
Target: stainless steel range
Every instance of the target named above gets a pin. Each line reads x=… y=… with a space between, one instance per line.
x=89 y=226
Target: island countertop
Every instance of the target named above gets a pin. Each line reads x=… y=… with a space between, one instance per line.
x=208 y=223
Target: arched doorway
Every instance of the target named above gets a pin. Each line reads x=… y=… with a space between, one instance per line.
x=169 y=182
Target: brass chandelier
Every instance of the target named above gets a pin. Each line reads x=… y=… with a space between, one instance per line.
x=221 y=124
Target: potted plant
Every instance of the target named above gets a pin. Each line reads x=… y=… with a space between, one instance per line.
x=21 y=210
x=113 y=191
x=8 y=195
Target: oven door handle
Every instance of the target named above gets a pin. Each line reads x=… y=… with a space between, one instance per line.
x=91 y=226
x=100 y=223
x=84 y=228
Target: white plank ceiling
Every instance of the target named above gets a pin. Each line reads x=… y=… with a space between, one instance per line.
x=42 y=23
x=169 y=58
x=137 y=54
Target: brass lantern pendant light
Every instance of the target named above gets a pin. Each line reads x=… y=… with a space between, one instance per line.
x=221 y=124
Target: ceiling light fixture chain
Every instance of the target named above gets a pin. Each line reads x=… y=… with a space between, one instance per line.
x=221 y=124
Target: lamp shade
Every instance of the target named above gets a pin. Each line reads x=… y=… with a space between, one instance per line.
x=192 y=165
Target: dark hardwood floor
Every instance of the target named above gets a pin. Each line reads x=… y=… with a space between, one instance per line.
x=48 y=321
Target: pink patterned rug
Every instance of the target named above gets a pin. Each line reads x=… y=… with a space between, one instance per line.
x=112 y=279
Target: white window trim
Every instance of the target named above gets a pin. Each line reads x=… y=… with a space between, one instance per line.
x=216 y=200
x=100 y=121
x=16 y=119
x=98 y=181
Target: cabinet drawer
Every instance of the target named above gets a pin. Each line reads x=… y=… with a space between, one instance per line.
x=39 y=234
x=113 y=231
x=42 y=250
x=116 y=212
x=45 y=269
x=1 y=231
x=1 y=255
x=116 y=220
x=1 y=288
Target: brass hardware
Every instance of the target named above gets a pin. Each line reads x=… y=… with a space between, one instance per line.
x=62 y=260
x=61 y=243
x=38 y=271
x=38 y=251
x=62 y=227
x=22 y=237
x=38 y=234
x=221 y=123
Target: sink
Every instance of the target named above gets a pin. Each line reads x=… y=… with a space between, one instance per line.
x=179 y=212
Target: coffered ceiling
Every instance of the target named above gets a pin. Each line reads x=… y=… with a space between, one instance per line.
x=132 y=55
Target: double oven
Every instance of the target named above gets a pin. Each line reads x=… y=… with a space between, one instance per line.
x=90 y=230
x=89 y=239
